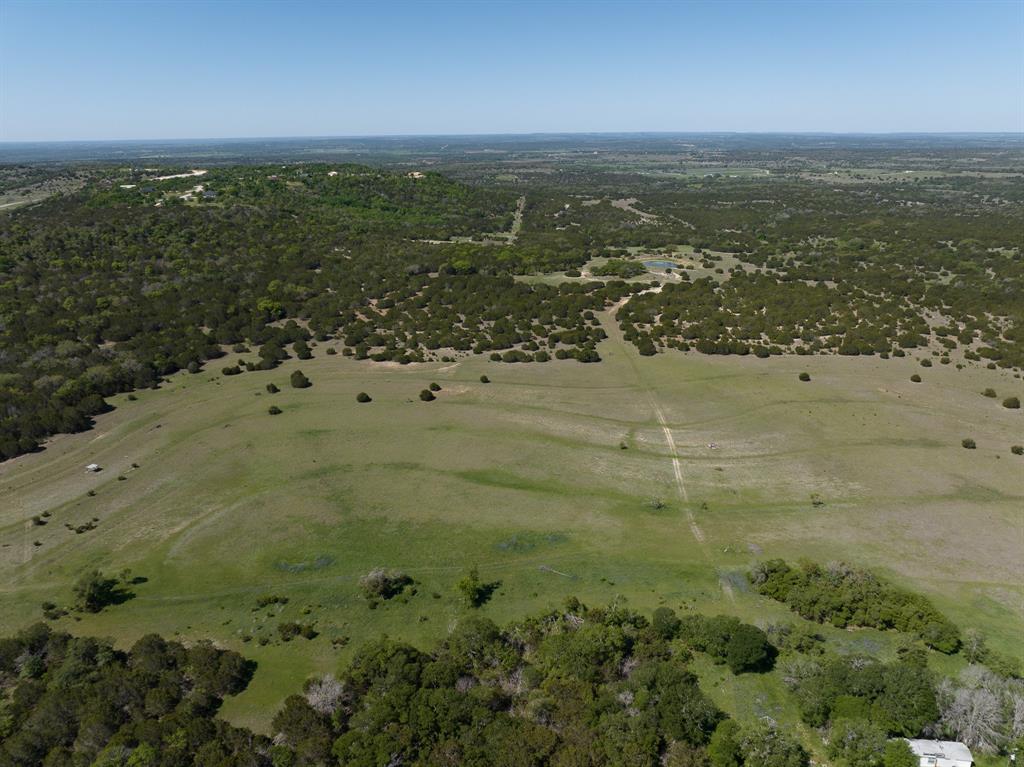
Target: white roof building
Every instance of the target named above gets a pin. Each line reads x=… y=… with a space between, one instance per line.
x=93 y=467
x=941 y=753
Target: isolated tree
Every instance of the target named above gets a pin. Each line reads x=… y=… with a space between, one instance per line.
x=274 y=410
x=435 y=387
x=93 y=591
x=1013 y=403
x=748 y=649
x=272 y=389
x=804 y=376
x=915 y=378
x=484 y=379
x=968 y=443
x=363 y=397
x=299 y=380
x=475 y=592
x=427 y=396
x=383 y=584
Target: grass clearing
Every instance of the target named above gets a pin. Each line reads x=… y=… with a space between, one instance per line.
x=525 y=478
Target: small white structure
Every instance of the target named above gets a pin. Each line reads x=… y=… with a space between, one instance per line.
x=93 y=467
x=941 y=753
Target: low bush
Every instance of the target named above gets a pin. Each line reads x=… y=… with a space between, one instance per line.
x=383 y=584
x=363 y=397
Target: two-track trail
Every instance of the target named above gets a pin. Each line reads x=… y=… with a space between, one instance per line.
x=629 y=354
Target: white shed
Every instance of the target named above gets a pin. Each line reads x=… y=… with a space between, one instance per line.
x=94 y=467
x=941 y=753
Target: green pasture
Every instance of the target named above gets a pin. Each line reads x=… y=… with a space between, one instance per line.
x=555 y=479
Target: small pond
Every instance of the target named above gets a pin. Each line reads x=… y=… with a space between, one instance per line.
x=661 y=265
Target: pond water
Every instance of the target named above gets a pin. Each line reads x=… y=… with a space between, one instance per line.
x=661 y=265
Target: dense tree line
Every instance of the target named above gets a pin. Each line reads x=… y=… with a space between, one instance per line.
x=578 y=685
x=843 y=595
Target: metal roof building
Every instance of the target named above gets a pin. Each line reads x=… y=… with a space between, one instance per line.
x=941 y=753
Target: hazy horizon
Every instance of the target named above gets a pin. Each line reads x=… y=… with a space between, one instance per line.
x=499 y=134
x=103 y=71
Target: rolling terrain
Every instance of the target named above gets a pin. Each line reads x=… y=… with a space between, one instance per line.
x=657 y=480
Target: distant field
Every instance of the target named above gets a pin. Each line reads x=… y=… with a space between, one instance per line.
x=527 y=478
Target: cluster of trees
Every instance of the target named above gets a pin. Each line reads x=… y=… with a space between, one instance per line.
x=78 y=700
x=618 y=267
x=728 y=640
x=843 y=595
x=760 y=314
x=898 y=698
x=481 y=314
x=575 y=685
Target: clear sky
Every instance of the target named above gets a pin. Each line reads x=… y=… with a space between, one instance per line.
x=132 y=70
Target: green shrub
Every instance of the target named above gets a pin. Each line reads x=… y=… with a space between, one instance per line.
x=299 y=381
x=989 y=393
x=484 y=379
x=915 y=378
x=383 y=584
x=1017 y=449
x=272 y=389
x=805 y=376
x=968 y=443
x=435 y=387
x=363 y=397
x=427 y=396
x=1013 y=403
x=274 y=410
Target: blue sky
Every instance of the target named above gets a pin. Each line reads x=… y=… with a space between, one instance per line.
x=124 y=70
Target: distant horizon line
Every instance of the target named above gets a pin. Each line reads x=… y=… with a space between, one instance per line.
x=324 y=137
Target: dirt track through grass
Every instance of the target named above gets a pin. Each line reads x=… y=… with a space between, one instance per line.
x=615 y=335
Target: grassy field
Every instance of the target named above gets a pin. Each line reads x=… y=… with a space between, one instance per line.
x=525 y=477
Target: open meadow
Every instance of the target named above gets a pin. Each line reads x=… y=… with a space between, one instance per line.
x=657 y=480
